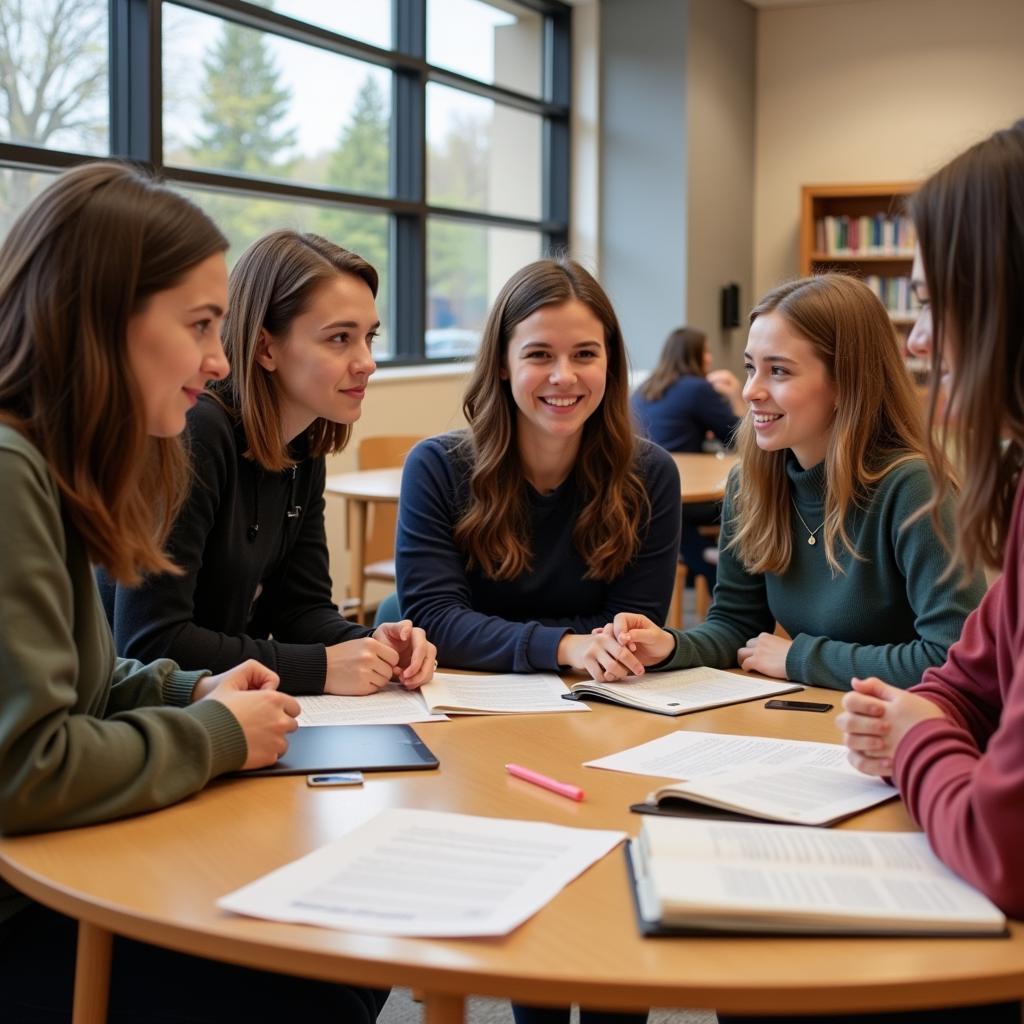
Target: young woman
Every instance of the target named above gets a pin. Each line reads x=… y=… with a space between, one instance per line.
x=250 y=539
x=521 y=534
x=955 y=743
x=681 y=402
x=112 y=289
x=818 y=531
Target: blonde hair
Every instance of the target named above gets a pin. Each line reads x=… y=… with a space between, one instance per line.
x=271 y=284
x=877 y=423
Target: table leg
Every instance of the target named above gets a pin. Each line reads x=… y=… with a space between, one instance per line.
x=355 y=511
x=443 y=1009
x=92 y=974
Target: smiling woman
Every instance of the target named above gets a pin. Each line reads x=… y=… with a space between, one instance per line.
x=547 y=516
x=250 y=540
x=819 y=533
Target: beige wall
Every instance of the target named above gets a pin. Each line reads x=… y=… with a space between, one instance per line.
x=720 y=109
x=877 y=90
x=409 y=405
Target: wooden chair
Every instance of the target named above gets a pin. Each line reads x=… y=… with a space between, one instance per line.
x=382 y=452
x=701 y=591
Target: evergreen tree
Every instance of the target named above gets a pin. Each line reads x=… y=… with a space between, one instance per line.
x=243 y=106
x=360 y=164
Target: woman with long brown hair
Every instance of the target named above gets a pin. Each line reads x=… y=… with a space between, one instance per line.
x=519 y=535
x=955 y=743
x=250 y=540
x=818 y=526
x=112 y=289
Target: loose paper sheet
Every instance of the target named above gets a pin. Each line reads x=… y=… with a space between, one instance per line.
x=498 y=694
x=685 y=755
x=394 y=705
x=427 y=873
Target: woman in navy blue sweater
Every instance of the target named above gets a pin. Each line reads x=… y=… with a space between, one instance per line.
x=517 y=536
x=678 y=406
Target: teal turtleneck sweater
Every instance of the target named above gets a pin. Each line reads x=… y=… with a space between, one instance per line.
x=886 y=615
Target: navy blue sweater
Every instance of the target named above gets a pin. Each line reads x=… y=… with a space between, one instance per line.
x=681 y=418
x=516 y=625
x=241 y=586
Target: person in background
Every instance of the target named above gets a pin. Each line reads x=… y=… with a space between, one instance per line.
x=954 y=744
x=819 y=533
x=250 y=540
x=112 y=290
x=680 y=404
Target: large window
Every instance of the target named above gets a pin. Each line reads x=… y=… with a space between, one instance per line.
x=430 y=136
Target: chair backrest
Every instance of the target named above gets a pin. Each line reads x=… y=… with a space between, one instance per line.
x=382 y=452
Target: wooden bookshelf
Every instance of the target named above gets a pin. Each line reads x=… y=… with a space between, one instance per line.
x=885 y=200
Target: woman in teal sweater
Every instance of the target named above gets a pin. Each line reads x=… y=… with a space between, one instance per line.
x=819 y=532
x=112 y=289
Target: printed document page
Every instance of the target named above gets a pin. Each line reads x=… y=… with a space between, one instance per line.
x=394 y=705
x=688 y=689
x=427 y=873
x=685 y=755
x=881 y=876
x=502 y=694
x=796 y=793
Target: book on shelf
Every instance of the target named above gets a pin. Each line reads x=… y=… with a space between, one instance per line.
x=790 y=791
x=699 y=876
x=682 y=691
x=877 y=235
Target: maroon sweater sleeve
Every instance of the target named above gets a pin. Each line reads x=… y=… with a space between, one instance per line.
x=962 y=778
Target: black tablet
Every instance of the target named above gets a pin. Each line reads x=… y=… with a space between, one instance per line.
x=343 y=748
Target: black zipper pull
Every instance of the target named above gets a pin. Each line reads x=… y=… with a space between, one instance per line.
x=293 y=511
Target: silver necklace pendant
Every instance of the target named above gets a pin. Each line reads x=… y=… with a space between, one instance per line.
x=811 y=540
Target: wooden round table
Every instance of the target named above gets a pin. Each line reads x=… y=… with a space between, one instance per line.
x=157 y=877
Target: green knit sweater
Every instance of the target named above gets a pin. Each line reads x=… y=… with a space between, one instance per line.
x=887 y=615
x=84 y=736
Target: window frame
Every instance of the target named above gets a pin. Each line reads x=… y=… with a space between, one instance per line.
x=136 y=133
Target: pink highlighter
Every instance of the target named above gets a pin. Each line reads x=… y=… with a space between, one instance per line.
x=545 y=782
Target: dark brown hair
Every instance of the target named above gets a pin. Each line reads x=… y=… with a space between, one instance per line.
x=876 y=427
x=78 y=263
x=271 y=284
x=494 y=530
x=681 y=355
x=969 y=218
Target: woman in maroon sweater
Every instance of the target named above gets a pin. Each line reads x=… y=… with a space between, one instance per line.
x=955 y=742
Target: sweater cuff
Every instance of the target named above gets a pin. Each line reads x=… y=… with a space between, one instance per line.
x=800 y=653
x=537 y=649
x=302 y=668
x=676 y=659
x=179 y=686
x=228 y=749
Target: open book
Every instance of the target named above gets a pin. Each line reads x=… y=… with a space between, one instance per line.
x=790 y=793
x=697 y=876
x=682 y=691
x=501 y=694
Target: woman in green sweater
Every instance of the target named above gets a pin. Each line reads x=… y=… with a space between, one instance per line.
x=819 y=532
x=112 y=289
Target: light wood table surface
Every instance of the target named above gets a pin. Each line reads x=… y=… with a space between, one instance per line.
x=360 y=489
x=156 y=878
x=702 y=475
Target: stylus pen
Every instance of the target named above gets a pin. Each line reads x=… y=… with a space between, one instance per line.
x=561 y=788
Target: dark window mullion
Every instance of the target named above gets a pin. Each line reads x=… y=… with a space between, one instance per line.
x=135 y=88
x=408 y=182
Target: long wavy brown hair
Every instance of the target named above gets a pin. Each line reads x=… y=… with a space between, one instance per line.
x=82 y=258
x=494 y=531
x=271 y=284
x=877 y=423
x=969 y=218
x=681 y=355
